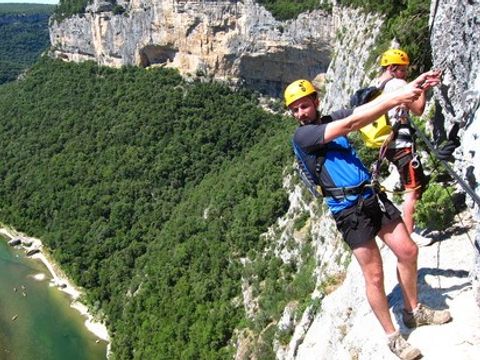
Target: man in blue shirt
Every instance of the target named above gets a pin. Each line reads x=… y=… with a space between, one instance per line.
x=362 y=212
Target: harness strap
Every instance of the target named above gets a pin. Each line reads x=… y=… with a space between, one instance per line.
x=343 y=192
x=403 y=137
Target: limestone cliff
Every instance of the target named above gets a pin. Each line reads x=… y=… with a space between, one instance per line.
x=456 y=50
x=238 y=41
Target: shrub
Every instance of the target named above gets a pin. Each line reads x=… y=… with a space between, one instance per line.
x=286 y=9
x=435 y=210
x=67 y=8
x=301 y=221
x=118 y=10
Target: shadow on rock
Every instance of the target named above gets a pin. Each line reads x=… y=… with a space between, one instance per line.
x=455 y=230
x=435 y=286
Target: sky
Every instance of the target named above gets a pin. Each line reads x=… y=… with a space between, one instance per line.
x=30 y=1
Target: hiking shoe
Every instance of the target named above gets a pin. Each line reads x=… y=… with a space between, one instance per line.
x=400 y=347
x=423 y=315
x=421 y=240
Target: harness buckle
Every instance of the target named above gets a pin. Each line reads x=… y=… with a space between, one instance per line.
x=377 y=189
x=381 y=204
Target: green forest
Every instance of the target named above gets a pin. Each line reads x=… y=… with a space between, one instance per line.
x=24 y=36
x=149 y=191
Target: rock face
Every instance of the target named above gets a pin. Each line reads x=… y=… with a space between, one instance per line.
x=455 y=38
x=347 y=329
x=237 y=41
x=449 y=270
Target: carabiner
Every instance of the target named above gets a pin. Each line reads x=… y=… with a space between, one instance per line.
x=415 y=162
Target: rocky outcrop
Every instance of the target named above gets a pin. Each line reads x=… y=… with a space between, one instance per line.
x=347 y=329
x=455 y=39
x=237 y=41
x=355 y=40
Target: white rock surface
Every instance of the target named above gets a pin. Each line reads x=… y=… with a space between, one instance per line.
x=347 y=328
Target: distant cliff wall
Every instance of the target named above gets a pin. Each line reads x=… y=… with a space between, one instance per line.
x=237 y=41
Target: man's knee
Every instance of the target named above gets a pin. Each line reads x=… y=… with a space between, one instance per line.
x=408 y=253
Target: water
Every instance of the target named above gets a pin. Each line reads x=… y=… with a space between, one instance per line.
x=36 y=320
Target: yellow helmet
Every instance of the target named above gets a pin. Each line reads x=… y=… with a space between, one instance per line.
x=394 y=57
x=298 y=89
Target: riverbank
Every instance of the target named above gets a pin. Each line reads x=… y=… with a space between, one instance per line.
x=35 y=247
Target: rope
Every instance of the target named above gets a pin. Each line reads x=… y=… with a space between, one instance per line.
x=456 y=214
x=400 y=191
x=461 y=221
x=382 y=153
x=460 y=181
x=435 y=9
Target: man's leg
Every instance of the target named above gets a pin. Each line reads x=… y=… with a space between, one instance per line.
x=414 y=314
x=396 y=237
x=409 y=208
x=409 y=205
x=370 y=261
x=369 y=258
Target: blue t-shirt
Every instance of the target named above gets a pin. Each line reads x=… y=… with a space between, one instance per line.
x=342 y=167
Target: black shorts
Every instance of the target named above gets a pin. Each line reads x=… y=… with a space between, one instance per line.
x=362 y=222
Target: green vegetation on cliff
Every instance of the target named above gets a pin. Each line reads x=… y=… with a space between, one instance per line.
x=24 y=35
x=287 y=9
x=407 y=22
x=149 y=191
x=67 y=8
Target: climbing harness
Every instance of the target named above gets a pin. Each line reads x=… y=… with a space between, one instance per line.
x=310 y=166
x=415 y=162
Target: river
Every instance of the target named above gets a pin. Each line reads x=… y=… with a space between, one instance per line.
x=36 y=320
